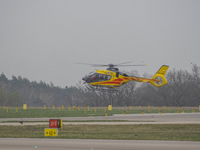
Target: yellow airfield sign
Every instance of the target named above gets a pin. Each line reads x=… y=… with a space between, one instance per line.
x=51 y=132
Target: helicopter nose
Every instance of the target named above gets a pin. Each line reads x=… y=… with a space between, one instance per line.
x=84 y=78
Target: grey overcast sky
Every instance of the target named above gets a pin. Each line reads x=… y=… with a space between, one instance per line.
x=43 y=39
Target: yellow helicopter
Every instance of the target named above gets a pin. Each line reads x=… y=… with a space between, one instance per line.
x=113 y=78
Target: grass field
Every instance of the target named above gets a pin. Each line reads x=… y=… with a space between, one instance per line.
x=123 y=132
x=84 y=112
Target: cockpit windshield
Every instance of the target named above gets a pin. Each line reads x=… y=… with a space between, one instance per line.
x=89 y=74
x=96 y=77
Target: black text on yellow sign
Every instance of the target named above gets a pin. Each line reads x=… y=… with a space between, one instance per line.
x=51 y=132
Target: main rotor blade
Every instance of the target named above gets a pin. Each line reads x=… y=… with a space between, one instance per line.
x=124 y=63
x=133 y=65
x=94 y=65
x=113 y=65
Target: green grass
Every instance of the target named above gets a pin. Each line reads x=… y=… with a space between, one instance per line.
x=184 y=132
x=50 y=112
x=40 y=113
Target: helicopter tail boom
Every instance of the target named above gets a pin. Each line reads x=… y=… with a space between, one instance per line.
x=159 y=78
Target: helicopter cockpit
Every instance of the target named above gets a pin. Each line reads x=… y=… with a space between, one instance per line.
x=96 y=77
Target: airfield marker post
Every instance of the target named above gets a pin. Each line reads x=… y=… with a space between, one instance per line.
x=164 y=108
x=109 y=107
x=21 y=122
x=169 y=109
x=149 y=108
x=24 y=106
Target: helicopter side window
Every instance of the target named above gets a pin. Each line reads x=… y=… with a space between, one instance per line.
x=107 y=77
x=123 y=74
x=101 y=77
x=96 y=77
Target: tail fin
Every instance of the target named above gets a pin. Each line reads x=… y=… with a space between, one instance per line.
x=159 y=78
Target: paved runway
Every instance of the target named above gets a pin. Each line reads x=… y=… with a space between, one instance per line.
x=69 y=144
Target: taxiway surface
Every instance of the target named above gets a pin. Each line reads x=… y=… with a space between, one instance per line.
x=69 y=144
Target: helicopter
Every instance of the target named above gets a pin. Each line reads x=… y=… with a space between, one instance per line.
x=112 y=78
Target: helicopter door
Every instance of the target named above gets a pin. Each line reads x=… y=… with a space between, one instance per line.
x=117 y=74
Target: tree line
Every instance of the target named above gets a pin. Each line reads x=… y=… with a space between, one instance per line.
x=182 y=89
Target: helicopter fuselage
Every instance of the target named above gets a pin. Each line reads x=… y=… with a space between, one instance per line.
x=110 y=78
